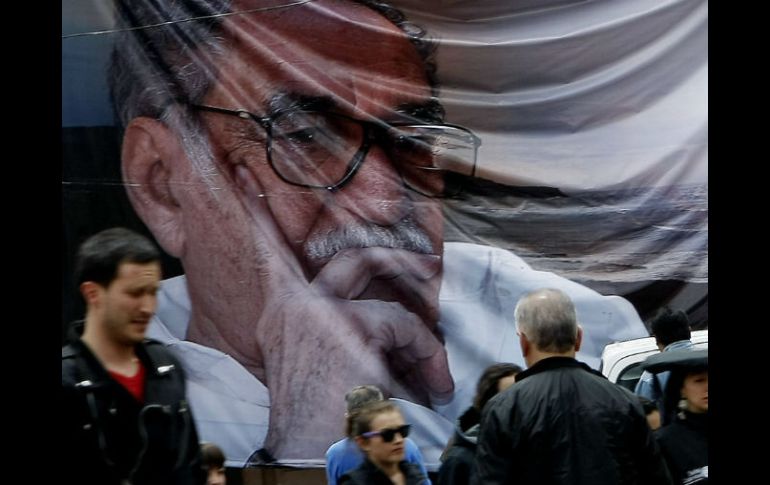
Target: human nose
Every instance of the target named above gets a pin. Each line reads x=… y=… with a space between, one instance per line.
x=147 y=304
x=376 y=192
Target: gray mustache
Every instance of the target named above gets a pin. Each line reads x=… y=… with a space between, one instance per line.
x=404 y=235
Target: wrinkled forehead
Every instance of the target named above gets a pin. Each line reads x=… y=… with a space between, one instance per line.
x=325 y=48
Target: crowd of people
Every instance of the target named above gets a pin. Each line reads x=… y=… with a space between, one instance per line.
x=558 y=421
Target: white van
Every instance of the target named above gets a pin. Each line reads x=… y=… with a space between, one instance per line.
x=621 y=361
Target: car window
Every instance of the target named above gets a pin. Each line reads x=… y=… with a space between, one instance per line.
x=630 y=376
x=621 y=361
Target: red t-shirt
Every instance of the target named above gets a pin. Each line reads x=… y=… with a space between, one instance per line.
x=134 y=384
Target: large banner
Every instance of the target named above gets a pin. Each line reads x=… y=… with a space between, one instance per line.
x=353 y=192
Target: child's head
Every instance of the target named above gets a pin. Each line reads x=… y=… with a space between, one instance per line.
x=214 y=463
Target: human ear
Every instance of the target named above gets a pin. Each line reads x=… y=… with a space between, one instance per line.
x=579 y=338
x=90 y=292
x=362 y=443
x=150 y=156
x=524 y=344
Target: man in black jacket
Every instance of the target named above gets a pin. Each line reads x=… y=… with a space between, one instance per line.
x=124 y=411
x=563 y=423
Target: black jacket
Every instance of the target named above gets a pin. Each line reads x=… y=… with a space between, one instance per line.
x=563 y=423
x=458 y=464
x=685 y=446
x=368 y=474
x=108 y=436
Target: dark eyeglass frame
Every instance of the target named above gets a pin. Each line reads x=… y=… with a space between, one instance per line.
x=388 y=434
x=370 y=135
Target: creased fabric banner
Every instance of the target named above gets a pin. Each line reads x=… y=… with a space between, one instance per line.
x=358 y=193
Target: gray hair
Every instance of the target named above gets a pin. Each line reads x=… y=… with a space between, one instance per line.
x=547 y=318
x=360 y=396
x=163 y=60
x=168 y=51
x=166 y=56
x=161 y=57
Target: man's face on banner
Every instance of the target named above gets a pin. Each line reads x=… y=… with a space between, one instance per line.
x=263 y=252
x=302 y=74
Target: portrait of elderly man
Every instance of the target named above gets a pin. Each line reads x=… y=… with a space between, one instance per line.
x=295 y=157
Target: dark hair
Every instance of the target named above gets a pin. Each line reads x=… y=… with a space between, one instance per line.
x=360 y=421
x=212 y=456
x=672 y=392
x=100 y=256
x=669 y=326
x=161 y=56
x=487 y=385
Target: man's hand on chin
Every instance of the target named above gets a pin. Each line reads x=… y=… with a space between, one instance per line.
x=318 y=341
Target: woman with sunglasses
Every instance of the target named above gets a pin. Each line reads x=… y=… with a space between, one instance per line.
x=379 y=430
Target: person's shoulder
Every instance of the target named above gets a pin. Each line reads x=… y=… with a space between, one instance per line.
x=502 y=403
x=550 y=375
x=158 y=349
x=68 y=365
x=644 y=387
x=469 y=252
x=151 y=342
x=410 y=445
x=162 y=358
x=624 y=394
x=336 y=448
x=685 y=344
x=466 y=267
x=412 y=452
x=413 y=472
x=600 y=380
x=645 y=378
x=343 y=456
x=68 y=352
x=616 y=398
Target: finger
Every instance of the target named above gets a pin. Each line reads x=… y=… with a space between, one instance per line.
x=391 y=327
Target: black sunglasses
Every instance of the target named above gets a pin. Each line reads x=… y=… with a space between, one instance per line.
x=388 y=434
